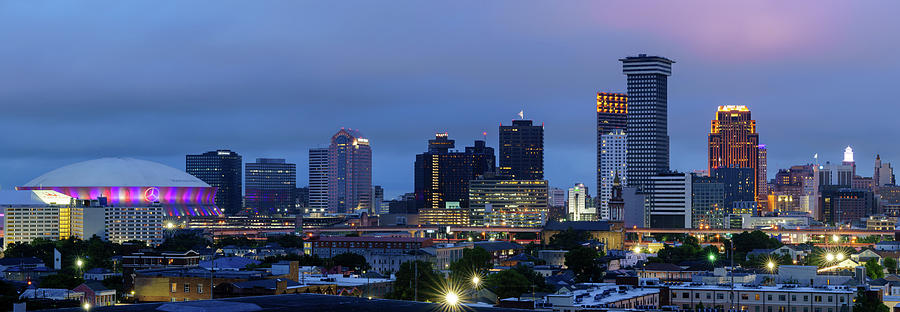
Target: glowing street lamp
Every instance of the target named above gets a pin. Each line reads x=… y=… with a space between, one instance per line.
x=839 y=256
x=637 y=249
x=476 y=280
x=770 y=266
x=86 y=306
x=835 y=238
x=79 y=263
x=829 y=257
x=451 y=298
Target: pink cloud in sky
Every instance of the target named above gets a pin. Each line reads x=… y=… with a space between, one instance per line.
x=732 y=30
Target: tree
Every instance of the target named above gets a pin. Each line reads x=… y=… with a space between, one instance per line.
x=8 y=295
x=508 y=284
x=748 y=241
x=287 y=241
x=873 y=269
x=350 y=260
x=869 y=302
x=891 y=265
x=474 y=261
x=408 y=284
x=66 y=281
x=533 y=277
x=569 y=239
x=582 y=261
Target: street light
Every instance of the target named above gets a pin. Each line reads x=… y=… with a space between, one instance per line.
x=839 y=256
x=829 y=257
x=476 y=280
x=712 y=257
x=770 y=265
x=79 y=263
x=835 y=238
x=637 y=249
x=451 y=298
x=86 y=306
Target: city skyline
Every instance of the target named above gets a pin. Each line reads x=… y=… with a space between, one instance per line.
x=102 y=99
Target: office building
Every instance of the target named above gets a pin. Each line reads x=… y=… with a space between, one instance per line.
x=117 y=224
x=378 y=200
x=124 y=224
x=739 y=185
x=612 y=165
x=271 y=186
x=734 y=143
x=668 y=200
x=557 y=202
x=647 y=118
x=220 y=169
x=522 y=151
x=708 y=209
x=842 y=205
x=612 y=110
x=884 y=173
x=512 y=203
x=302 y=198
x=442 y=176
x=762 y=179
x=577 y=204
x=349 y=172
x=318 y=180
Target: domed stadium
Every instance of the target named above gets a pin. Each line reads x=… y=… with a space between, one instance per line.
x=126 y=182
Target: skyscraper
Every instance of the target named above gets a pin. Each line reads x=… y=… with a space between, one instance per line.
x=522 y=151
x=668 y=201
x=613 y=155
x=734 y=143
x=442 y=176
x=378 y=200
x=318 y=180
x=577 y=203
x=220 y=169
x=762 y=185
x=612 y=109
x=708 y=203
x=271 y=186
x=884 y=173
x=349 y=172
x=647 y=118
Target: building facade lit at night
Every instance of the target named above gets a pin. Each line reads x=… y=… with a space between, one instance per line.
x=349 y=172
x=734 y=143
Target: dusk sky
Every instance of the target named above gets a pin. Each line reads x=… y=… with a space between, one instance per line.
x=158 y=80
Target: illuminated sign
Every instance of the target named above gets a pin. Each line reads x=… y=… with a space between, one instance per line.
x=52 y=197
x=151 y=194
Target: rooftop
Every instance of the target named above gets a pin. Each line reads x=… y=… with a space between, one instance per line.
x=777 y=287
x=116 y=172
x=293 y=302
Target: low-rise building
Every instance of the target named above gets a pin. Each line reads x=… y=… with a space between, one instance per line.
x=755 y=298
x=553 y=257
x=602 y=296
x=96 y=294
x=330 y=246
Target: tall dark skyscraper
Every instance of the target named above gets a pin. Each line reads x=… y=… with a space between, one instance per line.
x=612 y=112
x=349 y=172
x=271 y=186
x=220 y=169
x=648 y=134
x=522 y=151
x=442 y=175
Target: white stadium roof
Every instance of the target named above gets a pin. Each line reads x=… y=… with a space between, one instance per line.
x=117 y=172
